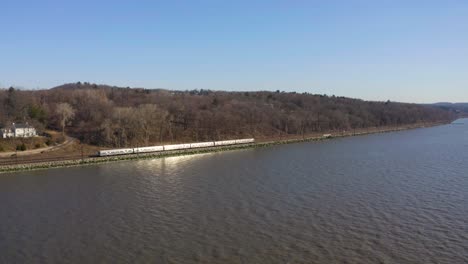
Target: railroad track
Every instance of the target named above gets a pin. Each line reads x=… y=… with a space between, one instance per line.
x=22 y=160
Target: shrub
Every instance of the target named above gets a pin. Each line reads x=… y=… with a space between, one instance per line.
x=38 y=145
x=60 y=139
x=1 y=148
x=21 y=147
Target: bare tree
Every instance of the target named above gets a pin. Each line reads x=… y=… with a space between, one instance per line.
x=65 y=114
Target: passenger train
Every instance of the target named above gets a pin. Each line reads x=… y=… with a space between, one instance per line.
x=113 y=152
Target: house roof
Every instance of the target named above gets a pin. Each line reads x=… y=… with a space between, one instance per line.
x=22 y=125
x=17 y=125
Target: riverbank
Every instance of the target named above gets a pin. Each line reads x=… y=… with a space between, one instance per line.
x=258 y=144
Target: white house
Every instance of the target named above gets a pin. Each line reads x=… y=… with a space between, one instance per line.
x=18 y=130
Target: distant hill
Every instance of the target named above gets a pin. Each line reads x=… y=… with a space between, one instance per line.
x=93 y=86
x=82 y=85
x=461 y=108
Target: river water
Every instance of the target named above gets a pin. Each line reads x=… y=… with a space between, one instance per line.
x=399 y=197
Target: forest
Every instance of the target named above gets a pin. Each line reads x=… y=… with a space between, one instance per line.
x=121 y=116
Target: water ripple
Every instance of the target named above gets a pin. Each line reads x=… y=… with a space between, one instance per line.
x=390 y=198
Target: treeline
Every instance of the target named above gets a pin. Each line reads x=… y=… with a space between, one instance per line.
x=460 y=108
x=118 y=117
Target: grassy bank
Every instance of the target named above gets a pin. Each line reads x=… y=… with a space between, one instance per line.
x=266 y=143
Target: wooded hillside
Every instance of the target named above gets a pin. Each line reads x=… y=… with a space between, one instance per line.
x=113 y=116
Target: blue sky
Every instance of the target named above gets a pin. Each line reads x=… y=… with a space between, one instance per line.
x=412 y=51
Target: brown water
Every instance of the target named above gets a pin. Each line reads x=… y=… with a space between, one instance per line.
x=391 y=198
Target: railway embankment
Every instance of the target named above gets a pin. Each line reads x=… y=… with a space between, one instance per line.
x=259 y=144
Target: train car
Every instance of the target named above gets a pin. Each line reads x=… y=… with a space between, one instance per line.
x=225 y=142
x=113 y=152
x=245 y=141
x=202 y=145
x=149 y=149
x=176 y=146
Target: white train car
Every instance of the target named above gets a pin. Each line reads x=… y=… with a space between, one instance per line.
x=176 y=146
x=225 y=142
x=149 y=149
x=202 y=145
x=245 y=141
x=113 y=152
